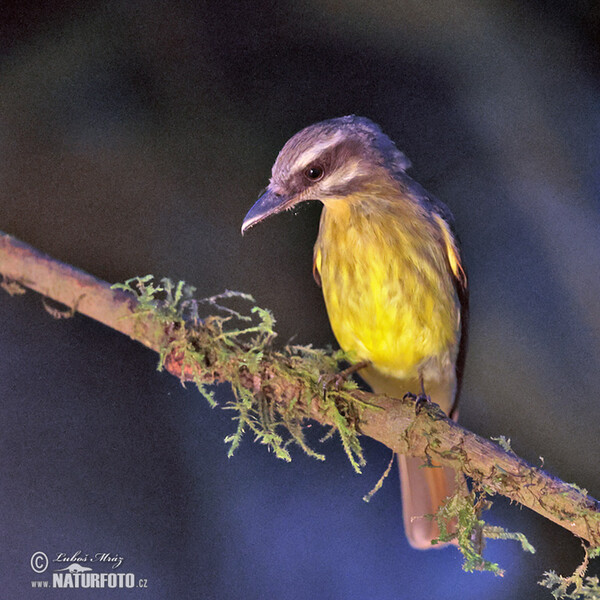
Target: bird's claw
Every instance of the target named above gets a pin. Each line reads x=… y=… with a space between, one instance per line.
x=327 y=381
x=337 y=380
x=420 y=401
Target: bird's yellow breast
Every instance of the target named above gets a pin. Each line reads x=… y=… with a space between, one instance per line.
x=388 y=287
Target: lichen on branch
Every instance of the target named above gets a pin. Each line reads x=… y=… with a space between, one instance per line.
x=236 y=348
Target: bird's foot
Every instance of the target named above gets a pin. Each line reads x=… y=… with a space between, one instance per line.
x=335 y=381
x=420 y=401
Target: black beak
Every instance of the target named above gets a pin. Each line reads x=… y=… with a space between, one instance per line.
x=268 y=204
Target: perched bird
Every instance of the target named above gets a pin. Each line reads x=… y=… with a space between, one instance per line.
x=390 y=267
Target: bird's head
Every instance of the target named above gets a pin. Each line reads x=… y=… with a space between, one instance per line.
x=328 y=161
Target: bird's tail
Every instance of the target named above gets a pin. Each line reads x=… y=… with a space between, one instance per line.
x=424 y=488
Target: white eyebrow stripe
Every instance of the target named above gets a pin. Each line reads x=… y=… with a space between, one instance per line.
x=348 y=171
x=312 y=153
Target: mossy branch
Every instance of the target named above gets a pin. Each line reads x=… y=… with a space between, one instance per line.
x=281 y=388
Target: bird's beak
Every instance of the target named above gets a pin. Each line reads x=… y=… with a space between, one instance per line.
x=268 y=204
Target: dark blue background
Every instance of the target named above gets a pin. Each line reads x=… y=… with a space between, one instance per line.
x=135 y=135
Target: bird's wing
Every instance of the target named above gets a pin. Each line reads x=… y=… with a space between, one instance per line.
x=445 y=222
x=459 y=277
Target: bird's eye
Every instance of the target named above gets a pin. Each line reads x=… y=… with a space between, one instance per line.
x=314 y=173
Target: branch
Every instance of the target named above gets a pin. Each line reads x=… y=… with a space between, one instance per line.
x=278 y=378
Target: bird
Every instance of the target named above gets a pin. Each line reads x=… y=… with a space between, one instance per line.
x=390 y=267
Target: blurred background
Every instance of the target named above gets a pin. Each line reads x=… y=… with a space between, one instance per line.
x=134 y=137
